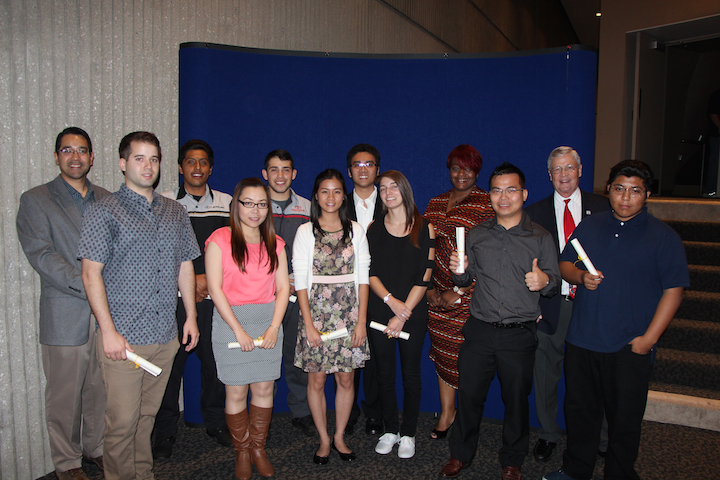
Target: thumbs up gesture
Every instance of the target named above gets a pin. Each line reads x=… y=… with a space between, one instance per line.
x=536 y=279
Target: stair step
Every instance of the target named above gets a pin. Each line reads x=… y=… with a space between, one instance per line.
x=684 y=390
x=693 y=369
x=700 y=306
x=705 y=278
x=702 y=253
x=692 y=335
x=696 y=231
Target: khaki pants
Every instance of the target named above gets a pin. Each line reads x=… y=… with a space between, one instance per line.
x=134 y=397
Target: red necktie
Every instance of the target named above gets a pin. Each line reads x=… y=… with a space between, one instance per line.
x=568 y=227
x=568 y=222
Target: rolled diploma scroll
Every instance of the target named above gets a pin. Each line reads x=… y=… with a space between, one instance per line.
x=460 y=242
x=381 y=328
x=343 y=332
x=583 y=256
x=151 y=368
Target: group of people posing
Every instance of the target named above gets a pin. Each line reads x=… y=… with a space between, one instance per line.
x=278 y=273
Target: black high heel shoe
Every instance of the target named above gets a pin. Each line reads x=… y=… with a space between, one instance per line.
x=318 y=460
x=346 y=457
x=440 y=434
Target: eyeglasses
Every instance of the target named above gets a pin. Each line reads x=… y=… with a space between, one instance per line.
x=619 y=189
x=70 y=151
x=260 y=205
x=363 y=164
x=567 y=168
x=508 y=191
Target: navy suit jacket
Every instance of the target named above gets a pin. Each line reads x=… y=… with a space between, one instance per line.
x=542 y=212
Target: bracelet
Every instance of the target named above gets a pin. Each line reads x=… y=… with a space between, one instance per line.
x=278 y=328
x=387 y=297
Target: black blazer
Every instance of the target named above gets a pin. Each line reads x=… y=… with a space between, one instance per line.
x=542 y=212
x=351 y=206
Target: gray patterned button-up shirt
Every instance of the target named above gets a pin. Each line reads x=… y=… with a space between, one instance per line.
x=142 y=246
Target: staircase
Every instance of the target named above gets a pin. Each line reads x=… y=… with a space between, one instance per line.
x=685 y=385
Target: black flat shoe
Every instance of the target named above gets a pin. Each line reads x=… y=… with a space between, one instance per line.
x=440 y=434
x=318 y=460
x=346 y=457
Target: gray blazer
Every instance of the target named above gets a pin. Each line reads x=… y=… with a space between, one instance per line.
x=48 y=226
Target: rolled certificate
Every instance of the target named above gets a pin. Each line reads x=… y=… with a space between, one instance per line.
x=151 y=368
x=460 y=242
x=583 y=256
x=381 y=328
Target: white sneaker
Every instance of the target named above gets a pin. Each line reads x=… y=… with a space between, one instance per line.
x=386 y=443
x=407 y=447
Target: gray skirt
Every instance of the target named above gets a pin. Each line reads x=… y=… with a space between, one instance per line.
x=235 y=367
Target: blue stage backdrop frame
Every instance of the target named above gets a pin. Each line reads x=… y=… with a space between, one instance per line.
x=415 y=109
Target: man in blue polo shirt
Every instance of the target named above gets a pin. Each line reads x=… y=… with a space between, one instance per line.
x=618 y=317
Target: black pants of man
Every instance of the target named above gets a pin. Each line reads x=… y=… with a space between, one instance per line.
x=487 y=350
x=371 y=404
x=212 y=390
x=614 y=383
x=295 y=378
x=384 y=350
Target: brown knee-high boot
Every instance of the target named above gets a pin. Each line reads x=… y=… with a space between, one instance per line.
x=238 y=427
x=259 y=425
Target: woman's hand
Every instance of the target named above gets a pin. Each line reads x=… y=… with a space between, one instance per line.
x=394 y=327
x=269 y=338
x=245 y=340
x=433 y=297
x=313 y=337
x=359 y=334
x=399 y=308
x=447 y=299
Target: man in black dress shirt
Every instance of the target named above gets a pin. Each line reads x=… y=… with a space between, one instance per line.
x=565 y=170
x=513 y=261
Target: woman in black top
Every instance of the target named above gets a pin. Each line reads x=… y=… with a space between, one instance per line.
x=402 y=248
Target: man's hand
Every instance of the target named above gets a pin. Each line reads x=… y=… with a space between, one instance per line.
x=536 y=279
x=641 y=345
x=591 y=281
x=201 y=290
x=114 y=345
x=191 y=334
x=455 y=262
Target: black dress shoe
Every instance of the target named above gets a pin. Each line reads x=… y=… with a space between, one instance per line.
x=543 y=450
x=163 y=447
x=305 y=424
x=373 y=426
x=346 y=457
x=318 y=460
x=222 y=435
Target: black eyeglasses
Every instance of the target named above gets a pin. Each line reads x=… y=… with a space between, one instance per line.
x=260 y=205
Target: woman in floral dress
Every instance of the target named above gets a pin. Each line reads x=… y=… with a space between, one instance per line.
x=331 y=263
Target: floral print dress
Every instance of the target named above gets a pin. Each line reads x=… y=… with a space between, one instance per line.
x=333 y=306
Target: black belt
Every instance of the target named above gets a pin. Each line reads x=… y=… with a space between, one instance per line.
x=510 y=325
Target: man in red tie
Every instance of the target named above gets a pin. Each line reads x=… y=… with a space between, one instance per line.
x=558 y=214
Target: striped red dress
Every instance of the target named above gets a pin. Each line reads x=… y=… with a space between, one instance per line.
x=445 y=326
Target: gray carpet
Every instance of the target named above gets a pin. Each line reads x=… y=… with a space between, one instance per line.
x=666 y=452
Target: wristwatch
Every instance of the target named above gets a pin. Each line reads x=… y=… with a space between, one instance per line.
x=456 y=289
x=387 y=297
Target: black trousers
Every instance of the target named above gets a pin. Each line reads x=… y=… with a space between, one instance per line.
x=613 y=383
x=384 y=350
x=212 y=390
x=371 y=404
x=511 y=354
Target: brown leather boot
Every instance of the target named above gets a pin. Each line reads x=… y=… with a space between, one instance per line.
x=259 y=425
x=238 y=427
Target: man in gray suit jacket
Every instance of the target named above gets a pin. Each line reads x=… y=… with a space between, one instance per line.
x=565 y=170
x=48 y=225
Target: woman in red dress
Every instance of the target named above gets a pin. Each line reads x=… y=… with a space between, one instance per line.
x=465 y=205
